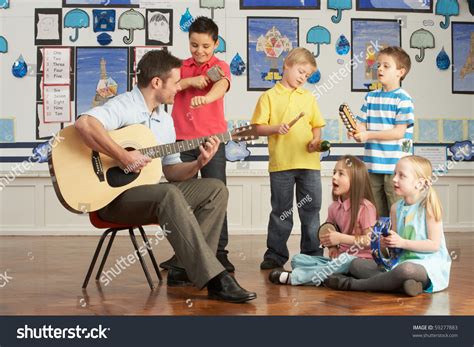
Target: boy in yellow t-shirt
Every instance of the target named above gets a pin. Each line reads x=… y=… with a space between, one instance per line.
x=293 y=157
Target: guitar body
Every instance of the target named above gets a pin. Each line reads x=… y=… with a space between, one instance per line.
x=85 y=180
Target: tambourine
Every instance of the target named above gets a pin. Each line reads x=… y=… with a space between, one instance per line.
x=325 y=229
x=387 y=257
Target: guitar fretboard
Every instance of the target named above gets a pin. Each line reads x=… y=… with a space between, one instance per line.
x=177 y=147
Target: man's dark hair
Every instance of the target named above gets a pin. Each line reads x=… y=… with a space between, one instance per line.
x=205 y=25
x=156 y=63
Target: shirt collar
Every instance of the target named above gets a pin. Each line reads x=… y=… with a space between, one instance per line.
x=346 y=204
x=140 y=101
x=192 y=62
x=280 y=89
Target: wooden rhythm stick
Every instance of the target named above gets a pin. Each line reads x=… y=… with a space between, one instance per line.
x=348 y=118
x=301 y=115
x=215 y=73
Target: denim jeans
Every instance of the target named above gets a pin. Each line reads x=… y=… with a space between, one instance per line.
x=214 y=169
x=308 y=199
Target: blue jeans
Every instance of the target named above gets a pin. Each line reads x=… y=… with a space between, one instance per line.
x=308 y=199
x=311 y=270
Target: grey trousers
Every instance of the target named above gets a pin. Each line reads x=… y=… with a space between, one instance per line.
x=192 y=211
x=384 y=195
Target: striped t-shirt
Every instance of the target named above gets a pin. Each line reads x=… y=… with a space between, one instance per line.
x=382 y=111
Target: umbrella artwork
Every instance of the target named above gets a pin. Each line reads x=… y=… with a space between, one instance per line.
x=131 y=20
x=212 y=4
x=447 y=8
x=318 y=35
x=76 y=19
x=3 y=45
x=221 y=47
x=422 y=39
x=273 y=44
x=339 y=6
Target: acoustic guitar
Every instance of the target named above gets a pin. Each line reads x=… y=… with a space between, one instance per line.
x=85 y=180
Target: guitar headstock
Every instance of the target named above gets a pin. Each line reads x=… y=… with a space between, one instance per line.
x=348 y=118
x=245 y=133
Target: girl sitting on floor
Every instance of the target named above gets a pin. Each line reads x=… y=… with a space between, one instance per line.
x=425 y=263
x=354 y=213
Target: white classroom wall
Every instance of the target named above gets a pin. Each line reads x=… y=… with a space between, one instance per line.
x=429 y=87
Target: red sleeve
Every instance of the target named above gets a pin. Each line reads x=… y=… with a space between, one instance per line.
x=225 y=67
x=367 y=216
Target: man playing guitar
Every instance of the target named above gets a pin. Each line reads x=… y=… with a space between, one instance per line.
x=189 y=208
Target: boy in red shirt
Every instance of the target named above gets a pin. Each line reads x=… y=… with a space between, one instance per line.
x=198 y=109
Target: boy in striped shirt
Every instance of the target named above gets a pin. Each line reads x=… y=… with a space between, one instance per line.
x=386 y=125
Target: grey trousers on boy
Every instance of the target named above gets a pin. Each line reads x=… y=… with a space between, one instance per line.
x=192 y=211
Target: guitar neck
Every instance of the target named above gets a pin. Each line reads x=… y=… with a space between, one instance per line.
x=181 y=146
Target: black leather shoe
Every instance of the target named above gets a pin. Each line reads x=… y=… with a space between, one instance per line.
x=274 y=276
x=225 y=287
x=178 y=277
x=222 y=257
x=268 y=264
x=169 y=263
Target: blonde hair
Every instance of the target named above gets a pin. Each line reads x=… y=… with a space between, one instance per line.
x=423 y=169
x=359 y=189
x=300 y=55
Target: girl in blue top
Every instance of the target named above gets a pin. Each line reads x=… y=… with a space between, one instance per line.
x=425 y=263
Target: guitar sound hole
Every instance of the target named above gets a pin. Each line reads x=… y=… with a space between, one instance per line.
x=117 y=178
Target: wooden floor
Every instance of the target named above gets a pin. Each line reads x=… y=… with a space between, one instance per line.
x=47 y=273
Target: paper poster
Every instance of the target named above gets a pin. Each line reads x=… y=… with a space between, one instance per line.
x=159 y=30
x=48 y=28
x=57 y=64
x=57 y=104
x=435 y=154
x=44 y=130
x=7 y=130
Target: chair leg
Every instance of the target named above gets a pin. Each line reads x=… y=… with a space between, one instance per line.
x=150 y=253
x=106 y=254
x=145 y=269
x=94 y=259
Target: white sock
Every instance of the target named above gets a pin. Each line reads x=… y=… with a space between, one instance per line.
x=285 y=277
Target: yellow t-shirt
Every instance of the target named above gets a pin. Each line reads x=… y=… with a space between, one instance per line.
x=281 y=105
